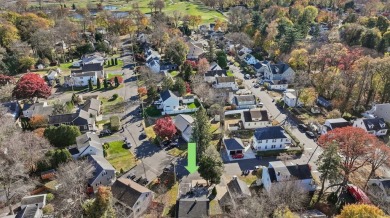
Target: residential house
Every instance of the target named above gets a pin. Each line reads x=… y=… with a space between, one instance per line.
x=78 y=78
x=375 y=126
x=93 y=58
x=92 y=106
x=104 y=173
x=331 y=124
x=131 y=196
x=255 y=118
x=184 y=123
x=233 y=146
x=379 y=188
x=35 y=200
x=194 y=50
x=13 y=109
x=87 y=144
x=143 y=38
x=210 y=76
x=225 y=82
x=153 y=63
x=248 y=59
x=95 y=67
x=279 y=85
x=214 y=66
x=381 y=111
x=277 y=171
x=53 y=74
x=238 y=188
x=244 y=49
x=321 y=101
x=244 y=101
x=169 y=103
x=42 y=108
x=30 y=211
x=84 y=120
x=276 y=72
x=192 y=207
x=290 y=98
x=167 y=66
x=270 y=138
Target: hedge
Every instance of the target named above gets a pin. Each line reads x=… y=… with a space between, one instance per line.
x=274 y=153
x=115 y=123
x=297 y=142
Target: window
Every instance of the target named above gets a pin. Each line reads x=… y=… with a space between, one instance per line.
x=249 y=124
x=265 y=147
x=138 y=210
x=266 y=141
x=280 y=146
x=273 y=146
x=273 y=140
x=281 y=140
x=260 y=141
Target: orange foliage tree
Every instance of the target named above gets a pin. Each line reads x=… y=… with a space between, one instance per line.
x=37 y=121
x=360 y=210
x=142 y=91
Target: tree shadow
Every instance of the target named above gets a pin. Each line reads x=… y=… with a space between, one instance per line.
x=146 y=149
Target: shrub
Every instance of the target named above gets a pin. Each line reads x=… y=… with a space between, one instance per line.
x=115 y=123
x=214 y=191
x=241 y=87
x=115 y=96
x=104 y=153
x=48 y=209
x=49 y=197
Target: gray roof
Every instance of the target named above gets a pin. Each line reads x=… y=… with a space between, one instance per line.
x=28 y=212
x=88 y=139
x=225 y=79
x=244 y=98
x=62 y=118
x=100 y=164
x=34 y=199
x=279 y=68
x=239 y=188
x=167 y=94
x=271 y=132
x=83 y=74
x=91 y=104
x=233 y=144
x=386 y=185
x=92 y=67
x=39 y=109
x=127 y=191
x=192 y=208
x=182 y=121
x=215 y=73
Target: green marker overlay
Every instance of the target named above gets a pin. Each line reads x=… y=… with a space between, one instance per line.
x=191 y=158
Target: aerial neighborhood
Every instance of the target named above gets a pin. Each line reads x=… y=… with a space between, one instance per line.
x=196 y=108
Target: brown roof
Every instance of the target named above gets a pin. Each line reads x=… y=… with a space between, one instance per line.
x=127 y=191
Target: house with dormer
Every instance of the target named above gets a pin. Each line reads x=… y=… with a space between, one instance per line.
x=270 y=138
x=170 y=103
x=255 y=118
x=87 y=144
x=276 y=72
x=375 y=126
x=104 y=173
x=225 y=82
x=183 y=123
x=244 y=101
x=248 y=58
x=211 y=75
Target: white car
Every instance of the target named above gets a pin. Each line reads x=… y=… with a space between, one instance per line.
x=260 y=104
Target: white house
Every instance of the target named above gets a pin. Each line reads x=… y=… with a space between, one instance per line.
x=379 y=188
x=249 y=59
x=183 y=123
x=245 y=49
x=79 y=79
x=277 y=171
x=131 y=196
x=375 y=126
x=210 y=76
x=87 y=144
x=36 y=200
x=194 y=50
x=244 y=101
x=255 y=118
x=276 y=72
x=169 y=103
x=152 y=60
x=94 y=58
x=331 y=124
x=381 y=111
x=270 y=138
x=31 y=207
x=104 y=174
x=290 y=98
x=279 y=85
x=42 y=108
x=225 y=82
x=53 y=74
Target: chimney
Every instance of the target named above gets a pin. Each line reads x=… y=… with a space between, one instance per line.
x=234 y=177
x=196 y=200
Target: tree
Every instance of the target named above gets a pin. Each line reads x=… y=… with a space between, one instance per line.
x=298 y=59
x=201 y=132
x=211 y=166
x=150 y=78
x=90 y=85
x=6 y=92
x=31 y=85
x=180 y=86
x=382 y=23
x=371 y=38
x=329 y=165
x=116 y=81
x=222 y=59
x=101 y=206
x=105 y=83
x=71 y=193
x=308 y=96
x=188 y=88
x=360 y=210
x=152 y=93
x=165 y=128
x=333 y=114
x=211 y=51
x=353 y=144
x=8 y=35
x=37 y=121
x=98 y=83
x=167 y=83
x=187 y=68
x=142 y=91
x=203 y=66
x=160 y=4
x=61 y=108
x=63 y=135
x=177 y=51
x=378 y=155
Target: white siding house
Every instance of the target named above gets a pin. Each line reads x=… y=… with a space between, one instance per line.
x=380 y=188
x=81 y=79
x=331 y=124
x=381 y=111
x=104 y=174
x=225 y=82
x=375 y=126
x=270 y=138
x=169 y=103
x=277 y=72
x=87 y=144
x=249 y=59
x=244 y=101
x=290 y=98
x=211 y=76
x=255 y=118
x=184 y=123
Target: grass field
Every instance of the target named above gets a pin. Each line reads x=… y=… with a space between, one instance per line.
x=119 y=157
x=115 y=106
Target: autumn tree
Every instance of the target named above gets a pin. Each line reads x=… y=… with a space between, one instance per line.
x=177 y=51
x=353 y=144
x=201 y=132
x=31 y=85
x=150 y=78
x=298 y=59
x=101 y=206
x=308 y=96
x=378 y=155
x=360 y=210
x=203 y=66
x=165 y=128
x=142 y=91
x=37 y=121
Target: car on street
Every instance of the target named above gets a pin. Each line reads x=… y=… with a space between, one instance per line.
x=256 y=86
x=142 y=136
x=302 y=127
x=310 y=134
x=260 y=104
x=127 y=144
x=166 y=143
x=238 y=156
x=166 y=169
x=105 y=132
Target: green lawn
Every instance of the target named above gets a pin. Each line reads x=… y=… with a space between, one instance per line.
x=111 y=107
x=229 y=73
x=114 y=67
x=191 y=106
x=174 y=73
x=112 y=75
x=170 y=199
x=180 y=151
x=119 y=157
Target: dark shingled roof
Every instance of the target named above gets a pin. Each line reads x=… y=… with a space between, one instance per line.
x=32 y=200
x=225 y=79
x=300 y=172
x=28 y=212
x=258 y=65
x=243 y=98
x=192 y=208
x=127 y=191
x=271 y=132
x=239 y=188
x=92 y=67
x=375 y=124
x=233 y=144
x=167 y=94
x=248 y=115
x=279 y=68
x=215 y=73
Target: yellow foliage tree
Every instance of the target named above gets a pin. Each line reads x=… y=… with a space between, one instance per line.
x=361 y=210
x=308 y=96
x=284 y=213
x=298 y=59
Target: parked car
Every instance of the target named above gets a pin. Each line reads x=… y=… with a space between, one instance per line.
x=166 y=169
x=247 y=76
x=302 y=127
x=127 y=144
x=256 y=86
x=142 y=136
x=358 y=194
x=105 y=132
x=131 y=176
x=245 y=172
x=310 y=134
x=260 y=104
x=238 y=156
x=166 y=143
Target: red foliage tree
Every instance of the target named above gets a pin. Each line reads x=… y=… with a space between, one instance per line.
x=165 y=128
x=142 y=91
x=192 y=63
x=4 y=79
x=354 y=144
x=188 y=88
x=120 y=79
x=31 y=85
x=203 y=66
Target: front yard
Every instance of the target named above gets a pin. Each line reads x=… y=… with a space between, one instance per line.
x=111 y=106
x=119 y=157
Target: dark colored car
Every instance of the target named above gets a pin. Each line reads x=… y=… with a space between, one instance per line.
x=105 y=132
x=142 y=136
x=131 y=176
x=256 y=86
x=302 y=127
x=310 y=134
x=166 y=143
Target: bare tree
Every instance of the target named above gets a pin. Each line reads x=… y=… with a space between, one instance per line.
x=72 y=177
x=150 y=78
x=6 y=92
x=378 y=155
x=177 y=15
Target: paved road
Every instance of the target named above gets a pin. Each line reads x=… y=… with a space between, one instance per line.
x=312 y=150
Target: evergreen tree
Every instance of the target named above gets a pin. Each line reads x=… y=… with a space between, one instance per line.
x=222 y=59
x=167 y=83
x=201 y=132
x=329 y=164
x=116 y=80
x=112 y=62
x=180 y=86
x=98 y=84
x=90 y=85
x=152 y=93
x=105 y=83
x=73 y=6
x=187 y=69
x=211 y=52
x=211 y=166
x=291 y=36
x=116 y=61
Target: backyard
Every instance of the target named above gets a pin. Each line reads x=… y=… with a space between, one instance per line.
x=111 y=106
x=119 y=157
